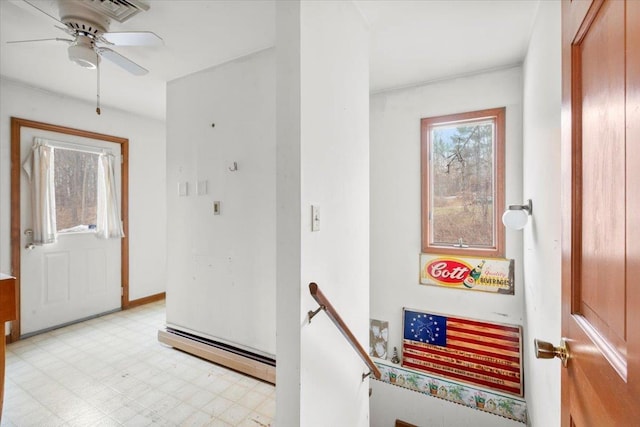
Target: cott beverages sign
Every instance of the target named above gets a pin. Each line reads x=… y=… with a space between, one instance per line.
x=489 y=275
x=448 y=271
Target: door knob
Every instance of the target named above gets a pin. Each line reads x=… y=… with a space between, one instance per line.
x=546 y=350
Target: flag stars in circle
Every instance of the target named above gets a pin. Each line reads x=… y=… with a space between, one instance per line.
x=428 y=327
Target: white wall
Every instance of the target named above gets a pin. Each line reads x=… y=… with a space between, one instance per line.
x=221 y=268
x=395 y=222
x=323 y=159
x=542 y=256
x=147 y=201
x=289 y=219
x=389 y=402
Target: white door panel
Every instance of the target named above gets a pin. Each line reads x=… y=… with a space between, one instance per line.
x=76 y=277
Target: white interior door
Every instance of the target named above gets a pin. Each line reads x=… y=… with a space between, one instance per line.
x=79 y=275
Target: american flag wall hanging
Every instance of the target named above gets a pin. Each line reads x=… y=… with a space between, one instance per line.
x=477 y=352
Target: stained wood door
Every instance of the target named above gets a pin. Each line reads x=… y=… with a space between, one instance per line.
x=601 y=212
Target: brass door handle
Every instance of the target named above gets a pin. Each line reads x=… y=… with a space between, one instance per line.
x=546 y=350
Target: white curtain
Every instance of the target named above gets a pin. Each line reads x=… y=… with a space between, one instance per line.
x=109 y=225
x=40 y=170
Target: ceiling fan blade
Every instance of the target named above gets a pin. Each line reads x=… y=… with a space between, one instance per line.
x=42 y=11
x=121 y=61
x=57 y=39
x=133 y=38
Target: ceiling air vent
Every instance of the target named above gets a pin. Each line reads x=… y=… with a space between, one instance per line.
x=118 y=10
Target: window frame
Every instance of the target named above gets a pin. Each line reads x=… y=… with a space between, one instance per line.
x=426 y=124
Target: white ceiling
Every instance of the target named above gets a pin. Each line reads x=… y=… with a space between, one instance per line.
x=411 y=42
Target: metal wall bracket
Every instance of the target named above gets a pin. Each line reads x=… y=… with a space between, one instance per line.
x=313 y=313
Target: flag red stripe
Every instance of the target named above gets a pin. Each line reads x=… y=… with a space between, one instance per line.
x=426 y=358
x=512 y=357
x=474 y=328
x=484 y=325
x=467 y=371
x=454 y=324
x=490 y=344
x=484 y=353
x=481 y=333
x=515 y=390
x=434 y=350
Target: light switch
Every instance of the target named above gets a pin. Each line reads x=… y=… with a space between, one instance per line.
x=216 y=208
x=315 y=218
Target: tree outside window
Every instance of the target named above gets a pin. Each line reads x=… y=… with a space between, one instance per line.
x=75 y=190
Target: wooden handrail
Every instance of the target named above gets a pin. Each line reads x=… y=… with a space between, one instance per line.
x=325 y=305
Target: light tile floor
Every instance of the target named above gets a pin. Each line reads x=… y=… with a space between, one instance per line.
x=112 y=371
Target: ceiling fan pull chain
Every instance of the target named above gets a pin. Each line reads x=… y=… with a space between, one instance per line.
x=98 y=94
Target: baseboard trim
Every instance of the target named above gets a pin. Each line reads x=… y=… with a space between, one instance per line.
x=226 y=357
x=146 y=300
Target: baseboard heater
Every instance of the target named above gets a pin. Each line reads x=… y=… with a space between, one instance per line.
x=248 y=363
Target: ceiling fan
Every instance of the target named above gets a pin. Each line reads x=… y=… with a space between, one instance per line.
x=87 y=22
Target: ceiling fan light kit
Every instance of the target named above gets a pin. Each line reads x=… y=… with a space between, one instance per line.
x=82 y=53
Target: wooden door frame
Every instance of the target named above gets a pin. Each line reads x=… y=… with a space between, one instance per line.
x=16 y=165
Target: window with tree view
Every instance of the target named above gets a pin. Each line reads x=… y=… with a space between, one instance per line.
x=76 y=183
x=463 y=183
